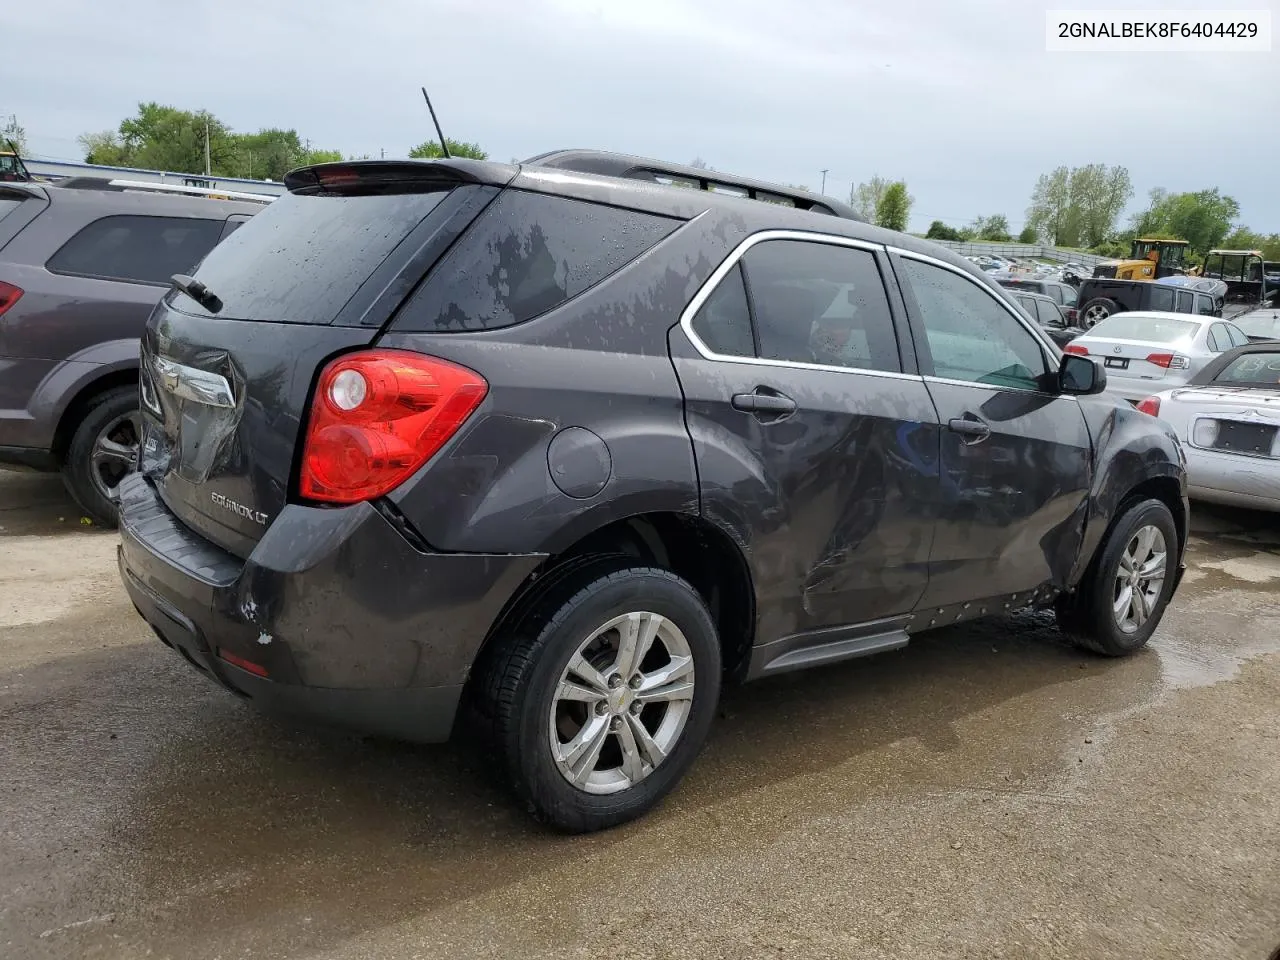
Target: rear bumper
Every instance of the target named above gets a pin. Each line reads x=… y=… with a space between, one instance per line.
x=347 y=622
x=1233 y=479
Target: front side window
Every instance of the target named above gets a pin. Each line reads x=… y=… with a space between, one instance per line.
x=136 y=249
x=1050 y=315
x=820 y=303
x=1204 y=305
x=970 y=336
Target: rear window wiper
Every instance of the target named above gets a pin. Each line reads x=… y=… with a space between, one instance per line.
x=197 y=291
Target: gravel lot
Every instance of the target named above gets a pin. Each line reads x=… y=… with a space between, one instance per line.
x=986 y=792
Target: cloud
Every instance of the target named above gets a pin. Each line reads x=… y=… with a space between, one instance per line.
x=959 y=99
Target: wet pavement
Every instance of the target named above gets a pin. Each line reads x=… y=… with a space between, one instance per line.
x=986 y=792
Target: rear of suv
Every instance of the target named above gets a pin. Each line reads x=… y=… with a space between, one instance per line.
x=572 y=450
x=82 y=265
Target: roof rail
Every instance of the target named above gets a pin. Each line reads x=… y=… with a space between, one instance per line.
x=96 y=183
x=609 y=164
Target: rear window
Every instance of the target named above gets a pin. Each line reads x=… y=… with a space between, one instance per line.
x=1126 y=326
x=1252 y=368
x=527 y=254
x=136 y=249
x=303 y=257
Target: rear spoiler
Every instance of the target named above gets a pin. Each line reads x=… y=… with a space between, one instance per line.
x=396 y=176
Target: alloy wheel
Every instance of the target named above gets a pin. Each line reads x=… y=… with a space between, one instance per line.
x=621 y=703
x=115 y=453
x=1139 y=578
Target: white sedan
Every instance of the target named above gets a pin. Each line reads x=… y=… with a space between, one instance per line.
x=1147 y=351
x=1228 y=419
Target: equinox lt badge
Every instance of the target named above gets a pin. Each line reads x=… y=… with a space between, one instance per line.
x=239 y=509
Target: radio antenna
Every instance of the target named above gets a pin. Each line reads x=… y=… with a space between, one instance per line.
x=444 y=147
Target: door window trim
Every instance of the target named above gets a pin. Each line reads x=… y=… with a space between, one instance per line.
x=806 y=236
x=1042 y=338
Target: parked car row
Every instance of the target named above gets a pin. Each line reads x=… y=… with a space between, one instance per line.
x=1215 y=383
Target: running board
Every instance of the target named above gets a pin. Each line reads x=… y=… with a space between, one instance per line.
x=823 y=647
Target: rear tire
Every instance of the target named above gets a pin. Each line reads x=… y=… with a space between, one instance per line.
x=102 y=452
x=561 y=692
x=1097 y=310
x=1119 y=603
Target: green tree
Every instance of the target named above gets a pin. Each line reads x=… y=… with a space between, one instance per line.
x=104 y=147
x=995 y=228
x=1202 y=218
x=13 y=133
x=894 y=207
x=268 y=154
x=430 y=150
x=166 y=138
x=1081 y=205
x=1099 y=194
x=940 y=231
x=1028 y=235
x=321 y=156
x=865 y=197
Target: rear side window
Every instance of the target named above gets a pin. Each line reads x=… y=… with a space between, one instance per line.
x=303 y=257
x=821 y=303
x=1185 y=298
x=724 y=321
x=525 y=255
x=136 y=249
x=1161 y=297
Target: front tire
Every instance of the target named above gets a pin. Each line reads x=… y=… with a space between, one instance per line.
x=102 y=452
x=603 y=696
x=1126 y=590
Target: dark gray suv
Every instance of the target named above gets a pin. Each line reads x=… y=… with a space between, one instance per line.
x=81 y=267
x=574 y=449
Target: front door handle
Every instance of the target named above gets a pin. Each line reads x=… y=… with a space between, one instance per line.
x=974 y=431
x=764 y=401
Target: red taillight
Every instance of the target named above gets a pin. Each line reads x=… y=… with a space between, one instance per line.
x=1150 y=406
x=379 y=415
x=1075 y=348
x=256 y=669
x=1168 y=360
x=9 y=295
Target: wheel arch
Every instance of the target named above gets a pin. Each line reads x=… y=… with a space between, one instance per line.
x=690 y=546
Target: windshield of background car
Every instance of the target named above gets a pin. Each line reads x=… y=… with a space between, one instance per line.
x=1127 y=326
x=1252 y=369
x=1266 y=326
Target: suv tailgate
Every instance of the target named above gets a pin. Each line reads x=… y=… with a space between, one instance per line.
x=225 y=390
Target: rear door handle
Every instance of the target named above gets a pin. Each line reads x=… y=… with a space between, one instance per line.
x=764 y=401
x=975 y=430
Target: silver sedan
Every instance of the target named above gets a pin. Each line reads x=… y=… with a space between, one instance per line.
x=1228 y=419
x=1149 y=351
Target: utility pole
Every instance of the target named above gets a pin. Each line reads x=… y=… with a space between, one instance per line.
x=382 y=153
x=206 y=149
x=823 y=191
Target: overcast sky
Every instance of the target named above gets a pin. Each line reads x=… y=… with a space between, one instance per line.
x=957 y=97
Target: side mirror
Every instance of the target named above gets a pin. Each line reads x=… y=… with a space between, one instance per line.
x=1081 y=375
